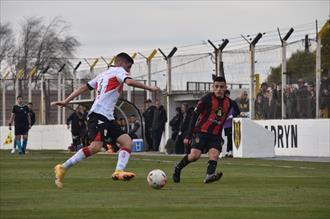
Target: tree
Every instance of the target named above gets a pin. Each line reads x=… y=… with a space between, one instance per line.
x=41 y=45
x=302 y=64
x=6 y=41
x=325 y=49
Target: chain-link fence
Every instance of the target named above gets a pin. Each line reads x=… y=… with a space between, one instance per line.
x=191 y=71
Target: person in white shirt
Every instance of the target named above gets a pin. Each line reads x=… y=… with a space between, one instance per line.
x=101 y=121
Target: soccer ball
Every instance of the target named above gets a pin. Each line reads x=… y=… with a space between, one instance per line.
x=157 y=179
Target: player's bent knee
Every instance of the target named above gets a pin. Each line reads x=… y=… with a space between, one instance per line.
x=194 y=156
x=213 y=154
x=125 y=141
x=95 y=147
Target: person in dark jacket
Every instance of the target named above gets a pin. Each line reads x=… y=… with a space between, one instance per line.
x=158 y=124
x=233 y=112
x=183 y=126
x=175 y=123
x=76 y=120
x=148 y=116
x=302 y=99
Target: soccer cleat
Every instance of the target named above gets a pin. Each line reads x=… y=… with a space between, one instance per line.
x=213 y=177
x=59 y=175
x=13 y=151
x=122 y=175
x=176 y=175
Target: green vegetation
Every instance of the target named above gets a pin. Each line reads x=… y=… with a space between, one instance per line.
x=250 y=188
x=301 y=64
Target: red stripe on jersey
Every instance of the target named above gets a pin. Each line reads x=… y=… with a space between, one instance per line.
x=207 y=121
x=121 y=88
x=215 y=102
x=86 y=151
x=212 y=116
x=97 y=137
x=125 y=149
x=113 y=83
x=225 y=105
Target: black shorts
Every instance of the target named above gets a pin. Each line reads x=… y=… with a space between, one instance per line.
x=202 y=141
x=21 y=129
x=102 y=129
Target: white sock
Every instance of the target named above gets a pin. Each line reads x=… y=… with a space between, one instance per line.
x=76 y=158
x=123 y=158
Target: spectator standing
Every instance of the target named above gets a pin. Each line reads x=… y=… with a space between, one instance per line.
x=182 y=130
x=76 y=121
x=302 y=99
x=311 y=108
x=290 y=102
x=32 y=119
x=148 y=116
x=325 y=101
x=158 y=124
x=233 y=112
x=277 y=96
x=84 y=131
x=270 y=102
x=258 y=107
x=175 y=123
x=243 y=102
x=264 y=92
x=31 y=113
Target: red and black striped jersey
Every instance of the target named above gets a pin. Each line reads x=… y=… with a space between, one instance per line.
x=213 y=112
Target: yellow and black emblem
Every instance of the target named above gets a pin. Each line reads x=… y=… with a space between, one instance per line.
x=237 y=134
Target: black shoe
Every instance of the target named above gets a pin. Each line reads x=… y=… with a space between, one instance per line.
x=176 y=175
x=213 y=177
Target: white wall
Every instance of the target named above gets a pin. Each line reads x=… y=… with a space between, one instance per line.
x=300 y=137
x=42 y=137
x=251 y=139
x=310 y=137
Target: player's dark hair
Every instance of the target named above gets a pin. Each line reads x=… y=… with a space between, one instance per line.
x=125 y=57
x=218 y=78
x=30 y=103
x=19 y=96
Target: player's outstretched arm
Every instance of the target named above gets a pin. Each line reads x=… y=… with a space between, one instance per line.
x=134 y=83
x=74 y=94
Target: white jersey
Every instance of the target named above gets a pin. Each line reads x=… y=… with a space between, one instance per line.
x=108 y=86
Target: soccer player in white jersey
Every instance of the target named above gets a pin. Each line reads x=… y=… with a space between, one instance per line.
x=101 y=122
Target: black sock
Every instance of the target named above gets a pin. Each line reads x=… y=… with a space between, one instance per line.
x=184 y=162
x=212 y=165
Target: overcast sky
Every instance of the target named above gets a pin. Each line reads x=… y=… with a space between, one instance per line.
x=107 y=27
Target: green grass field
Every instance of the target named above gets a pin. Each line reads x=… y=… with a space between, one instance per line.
x=250 y=188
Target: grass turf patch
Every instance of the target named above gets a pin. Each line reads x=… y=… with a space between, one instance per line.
x=250 y=188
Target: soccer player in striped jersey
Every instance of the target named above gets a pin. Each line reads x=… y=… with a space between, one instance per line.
x=205 y=129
